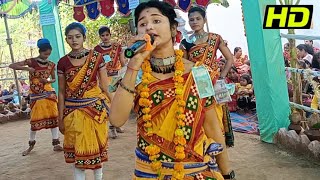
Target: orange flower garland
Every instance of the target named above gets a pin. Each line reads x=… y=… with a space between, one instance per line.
x=179 y=140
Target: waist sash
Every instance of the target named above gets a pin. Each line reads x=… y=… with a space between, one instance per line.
x=143 y=167
x=35 y=97
x=73 y=103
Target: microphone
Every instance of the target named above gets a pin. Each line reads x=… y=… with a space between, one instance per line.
x=136 y=47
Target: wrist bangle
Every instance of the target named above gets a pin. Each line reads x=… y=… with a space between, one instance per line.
x=132 y=68
x=127 y=89
x=231 y=175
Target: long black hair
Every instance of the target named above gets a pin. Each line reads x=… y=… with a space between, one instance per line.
x=306 y=48
x=236 y=49
x=247 y=78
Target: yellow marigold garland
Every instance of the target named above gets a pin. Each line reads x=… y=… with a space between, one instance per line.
x=179 y=140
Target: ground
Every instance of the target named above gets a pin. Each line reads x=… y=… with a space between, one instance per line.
x=251 y=159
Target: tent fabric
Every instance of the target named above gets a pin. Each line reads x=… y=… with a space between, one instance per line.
x=107 y=6
x=268 y=73
x=300 y=37
x=92 y=9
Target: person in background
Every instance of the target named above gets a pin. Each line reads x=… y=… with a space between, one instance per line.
x=244 y=90
x=203 y=50
x=303 y=53
x=310 y=43
x=44 y=110
x=114 y=58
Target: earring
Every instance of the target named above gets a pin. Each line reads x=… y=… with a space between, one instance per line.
x=173 y=34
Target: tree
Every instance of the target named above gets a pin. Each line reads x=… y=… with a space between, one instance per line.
x=295 y=78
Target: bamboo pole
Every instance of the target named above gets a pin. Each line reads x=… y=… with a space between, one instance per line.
x=9 y=42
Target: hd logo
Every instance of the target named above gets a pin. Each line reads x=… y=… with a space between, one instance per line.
x=288 y=17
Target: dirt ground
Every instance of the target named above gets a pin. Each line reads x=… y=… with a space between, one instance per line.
x=251 y=159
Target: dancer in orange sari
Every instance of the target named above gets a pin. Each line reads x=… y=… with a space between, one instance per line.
x=44 y=110
x=112 y=52
x=83 y=105
x=179 y=136
x=204 y=49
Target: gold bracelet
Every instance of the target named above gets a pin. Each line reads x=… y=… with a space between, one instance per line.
x=127 y=89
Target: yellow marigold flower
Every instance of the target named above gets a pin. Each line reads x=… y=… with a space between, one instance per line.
x=179 y=97
x=179 y=66
x=179 y=149
x=182 y=103
x=147 y=125
x=178 y=166
x=180 y=110
x=180 y=155
x=146 y=117
x=180 y=79
x=148 y=76
x=179 y=132
x=145 y=81
x=145 y=89
x=179 y=91
x=155 y=166
x=181 y=117
x=177 y=175
x=144 y=94
x=179 y=53
x=144 y=102
x=146 y=110
x=178 y=73
x=181 y=123
x=182 y=141
x=153 y=157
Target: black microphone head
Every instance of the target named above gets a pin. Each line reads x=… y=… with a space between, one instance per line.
x=152 y=38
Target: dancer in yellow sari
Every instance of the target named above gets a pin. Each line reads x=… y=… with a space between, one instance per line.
x=44 y=110
x=179 y=136
x=202 y=47
x=112 y=52
x=83 y=105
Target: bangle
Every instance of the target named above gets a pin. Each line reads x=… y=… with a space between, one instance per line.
x=127 y=89
x=132 y=68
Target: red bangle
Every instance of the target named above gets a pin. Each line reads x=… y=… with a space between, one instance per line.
x=132 y=68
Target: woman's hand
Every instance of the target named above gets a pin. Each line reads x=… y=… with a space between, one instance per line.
x=43 y=81
x=137 y=60
x=61 y=125
x=31 y=70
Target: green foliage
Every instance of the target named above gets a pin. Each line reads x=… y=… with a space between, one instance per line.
x=316 y=126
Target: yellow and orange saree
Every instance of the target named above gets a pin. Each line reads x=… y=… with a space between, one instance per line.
x=85 y=114
x=199 y=162
x=44 y=109
x=206 y=54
